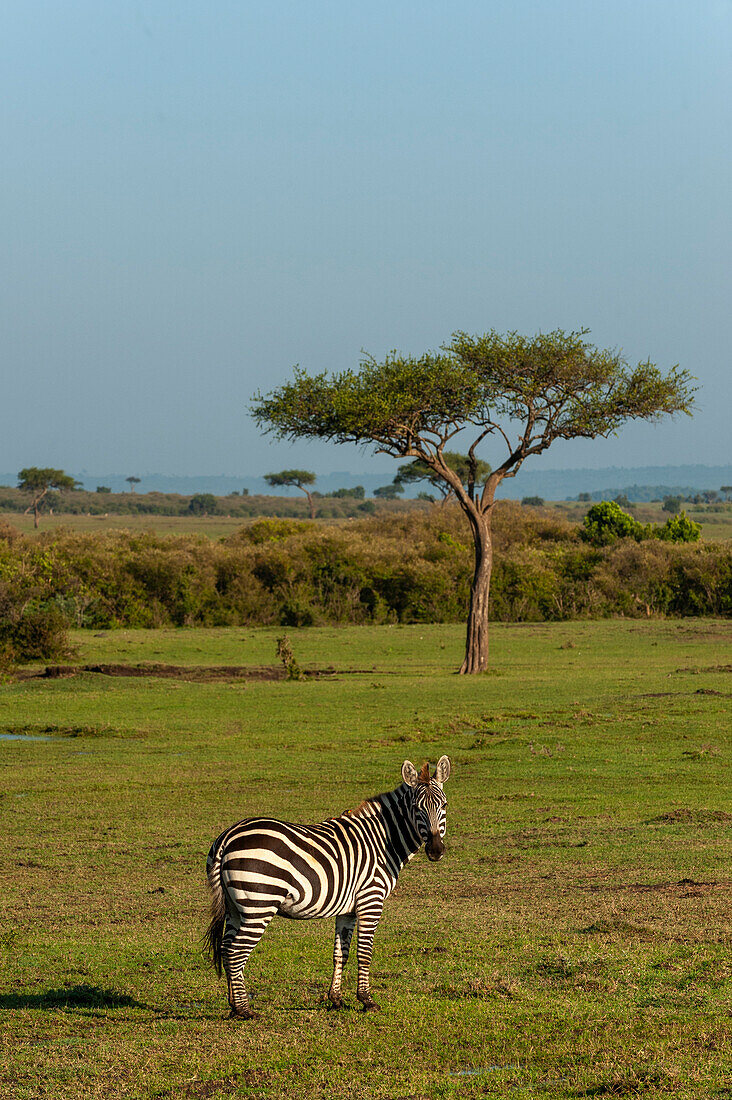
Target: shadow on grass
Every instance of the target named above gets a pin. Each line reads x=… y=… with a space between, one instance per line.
x=94 y=1000
x=71 y=997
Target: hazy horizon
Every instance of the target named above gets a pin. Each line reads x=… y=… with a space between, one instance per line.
x=548 y=483
x=198 y=198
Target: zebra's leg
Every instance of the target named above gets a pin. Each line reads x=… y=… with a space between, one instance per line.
x=242 y=935
x=343 y=933
x=369 y=913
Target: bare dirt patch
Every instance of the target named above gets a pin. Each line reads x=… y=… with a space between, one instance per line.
x=684 y=816
x=685 y=887
x=691 y=671
x=195 y=673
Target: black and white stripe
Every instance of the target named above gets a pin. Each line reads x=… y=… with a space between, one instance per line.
x=344 y=867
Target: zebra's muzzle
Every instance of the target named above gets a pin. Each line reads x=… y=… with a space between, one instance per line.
x=434 y=848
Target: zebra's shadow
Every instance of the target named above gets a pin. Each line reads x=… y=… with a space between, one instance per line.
x=71 y=998
x=94 y=1000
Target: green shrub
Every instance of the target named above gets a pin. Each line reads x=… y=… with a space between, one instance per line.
x=270 y=530
x=605 y=522
x=406 y=567
x=203 y=504
x=678 y=528
x=35 y=633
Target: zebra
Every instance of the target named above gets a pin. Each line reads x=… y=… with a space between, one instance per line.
x=344 y=867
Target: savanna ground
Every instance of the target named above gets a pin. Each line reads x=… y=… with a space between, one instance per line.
x=574 y=941
x=715 y=520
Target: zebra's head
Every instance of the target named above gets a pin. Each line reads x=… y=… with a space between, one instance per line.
x=428 y=805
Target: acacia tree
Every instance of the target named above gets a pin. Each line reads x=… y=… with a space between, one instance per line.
x=133 y=482
x=418 y=470
x=39 y=481
x=524 y=391
x=300 y=479
x=389 y=492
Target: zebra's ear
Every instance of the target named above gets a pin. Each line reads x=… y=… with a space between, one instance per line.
x=409 y=773
x=442 y=771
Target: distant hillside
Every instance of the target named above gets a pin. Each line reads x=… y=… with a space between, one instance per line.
x=637 y=482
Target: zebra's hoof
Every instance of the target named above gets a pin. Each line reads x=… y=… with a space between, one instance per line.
x=337 y=1004
x=248 y=1015
x=371 y=1006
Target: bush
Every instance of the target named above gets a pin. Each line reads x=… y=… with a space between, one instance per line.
x=357 y=492
x=270 y=530
x=202 y=504
x=399 y=566
x=679 y=528
x=33 y=634
x=605 y=522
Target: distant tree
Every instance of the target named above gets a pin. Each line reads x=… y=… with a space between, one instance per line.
x=245 y=492
x=299 y=479
x=38 y=481
x=389 y=492
x=727 y=490
x=426 y=496
x=419 y=470
x=103 y=489
x=533 y=502
x=202 y=504
x=357 y=492
x=528 y=391
x=585 y=497
x=671 y=504
x=622 y=500
x=133 y=482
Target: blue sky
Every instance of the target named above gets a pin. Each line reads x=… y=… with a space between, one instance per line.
x=198 y=196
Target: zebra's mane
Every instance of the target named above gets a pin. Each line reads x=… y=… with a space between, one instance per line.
x=371 y=804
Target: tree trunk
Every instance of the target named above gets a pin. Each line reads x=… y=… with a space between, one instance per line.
x=35 y=514
x=476 y=643
x=311 y=504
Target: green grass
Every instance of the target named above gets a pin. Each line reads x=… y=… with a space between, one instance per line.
x=573 y=942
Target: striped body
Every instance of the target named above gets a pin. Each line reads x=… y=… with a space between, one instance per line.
x=344 y=867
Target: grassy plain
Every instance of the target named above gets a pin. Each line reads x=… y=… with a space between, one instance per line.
x=574 y=942
x=716 y=525
x=214 y=527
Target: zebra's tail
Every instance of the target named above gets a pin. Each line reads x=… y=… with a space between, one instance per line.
x=214 y=935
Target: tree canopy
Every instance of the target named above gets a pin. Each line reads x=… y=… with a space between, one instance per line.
x=389 y=492
x=35 y=479
x=554 y=386
x=298 y=478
